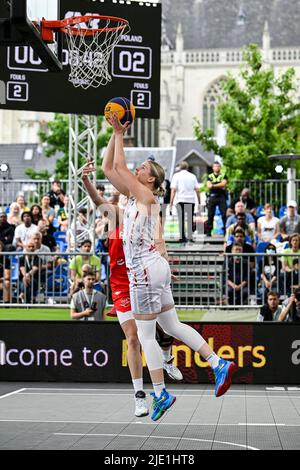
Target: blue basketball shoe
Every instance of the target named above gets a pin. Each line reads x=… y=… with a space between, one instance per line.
x=162 y=404
x=223 y=373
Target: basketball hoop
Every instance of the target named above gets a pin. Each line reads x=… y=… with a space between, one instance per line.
x=90 y=41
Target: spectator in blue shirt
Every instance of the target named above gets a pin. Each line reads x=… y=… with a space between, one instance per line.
x=240 y=208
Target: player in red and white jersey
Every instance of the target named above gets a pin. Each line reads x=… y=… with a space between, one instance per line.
x=119 y=284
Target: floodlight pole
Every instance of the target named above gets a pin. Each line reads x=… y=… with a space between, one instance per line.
x=83 y=133
x=291 y=193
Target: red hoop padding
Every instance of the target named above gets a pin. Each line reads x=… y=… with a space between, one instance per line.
x=48 y=28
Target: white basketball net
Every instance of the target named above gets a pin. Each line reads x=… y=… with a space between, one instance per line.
x=89 y=54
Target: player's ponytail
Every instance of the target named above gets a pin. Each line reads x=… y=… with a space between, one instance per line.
x=158 y=172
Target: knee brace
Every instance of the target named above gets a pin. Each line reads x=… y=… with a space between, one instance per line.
x=146 y=334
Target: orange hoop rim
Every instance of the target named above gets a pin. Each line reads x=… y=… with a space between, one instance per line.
x=65 y=25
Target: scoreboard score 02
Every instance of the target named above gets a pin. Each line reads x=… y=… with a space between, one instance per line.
x=134 y=67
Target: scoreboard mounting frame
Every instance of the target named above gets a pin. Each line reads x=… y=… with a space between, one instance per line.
x=26 y=83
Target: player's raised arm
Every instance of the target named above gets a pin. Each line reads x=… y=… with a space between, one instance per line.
x=98 y=200
x=138 y=190
x=108 y=168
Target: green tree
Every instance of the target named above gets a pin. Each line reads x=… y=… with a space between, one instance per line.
x=260 y=112
x=56 y=139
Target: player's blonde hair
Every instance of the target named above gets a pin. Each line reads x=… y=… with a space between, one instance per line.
x=158 y=172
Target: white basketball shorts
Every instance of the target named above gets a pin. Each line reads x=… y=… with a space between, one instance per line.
x=150 y=287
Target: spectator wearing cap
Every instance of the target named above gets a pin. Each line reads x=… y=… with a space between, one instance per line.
x=77 y=263
x=24 y=231
x=290 y=223
x=186 y=188
x=240 y=208
x=7 y=232
x=268 y=225
x=216 y=182
x=54 y=194
x=290 y=264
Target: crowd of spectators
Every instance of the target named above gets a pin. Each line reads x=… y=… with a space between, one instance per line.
x=31 y=233
x=248 y=229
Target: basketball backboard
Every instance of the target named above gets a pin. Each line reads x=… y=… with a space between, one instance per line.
x=19 y=26
x=38 y=9
x=134 y=64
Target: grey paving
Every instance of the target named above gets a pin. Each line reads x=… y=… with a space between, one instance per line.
x=100 y=416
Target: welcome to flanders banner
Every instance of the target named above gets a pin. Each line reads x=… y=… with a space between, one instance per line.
x=266 y=353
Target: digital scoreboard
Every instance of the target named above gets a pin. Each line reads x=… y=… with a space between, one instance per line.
x=134 y=65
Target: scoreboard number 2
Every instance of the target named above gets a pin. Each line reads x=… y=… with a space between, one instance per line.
x=17 y=91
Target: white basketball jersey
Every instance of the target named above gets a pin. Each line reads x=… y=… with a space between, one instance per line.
x=138 y=235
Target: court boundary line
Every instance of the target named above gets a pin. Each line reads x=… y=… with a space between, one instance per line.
x=12 y=393
x=244 y=446
x=183 y=395
x=145 y=423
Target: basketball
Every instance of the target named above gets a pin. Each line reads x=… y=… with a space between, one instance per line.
x=122 y=106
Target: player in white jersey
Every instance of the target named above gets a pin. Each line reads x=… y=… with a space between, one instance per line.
x=150 y=276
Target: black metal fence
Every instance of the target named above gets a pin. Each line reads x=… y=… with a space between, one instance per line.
x=201 y=280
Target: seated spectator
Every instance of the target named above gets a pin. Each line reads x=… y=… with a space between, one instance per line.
x=290 y=223
x=36 y=213
x=291 y=312
x=78 y=261
x=88 y=304
x=48 y=212
x=14 y=215
x=100 y=190
x=47 y=239
x=7 y=232
x=249 y=203
x=81 y=227
x=268 y=225
x=269 y=269
x=24 y=231
x=240 y=236
x=241 y=223
x=290 y=266
x=22 y=203
x=45 y=261
x=271 y=311
x=239 y=209
x=237 y=276
x=63 y=215
x=4 y=274
x=29 y=268
x=54 y=194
